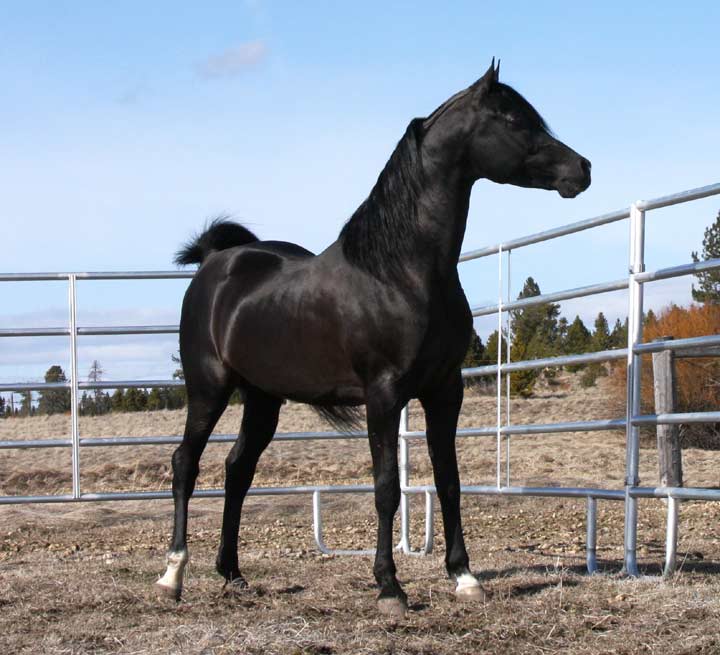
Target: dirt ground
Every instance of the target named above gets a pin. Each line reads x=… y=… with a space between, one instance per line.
x=77 y=578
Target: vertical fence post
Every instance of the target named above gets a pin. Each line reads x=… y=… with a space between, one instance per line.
x=498 y=445
x=75 y=428
x=507 y=377
x=404 y=544
x=668 y=436
x=634 y=362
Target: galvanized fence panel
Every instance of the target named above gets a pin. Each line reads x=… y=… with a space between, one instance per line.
x=629 y=494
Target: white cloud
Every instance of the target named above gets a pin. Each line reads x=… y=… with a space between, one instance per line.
x=234 y=61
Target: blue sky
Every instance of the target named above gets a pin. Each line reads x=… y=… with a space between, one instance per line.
x=126 y=125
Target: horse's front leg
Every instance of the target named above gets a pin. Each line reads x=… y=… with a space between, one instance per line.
x=383 y=424
x=442 y=408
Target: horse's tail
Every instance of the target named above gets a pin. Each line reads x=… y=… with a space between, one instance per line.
x=220 y=234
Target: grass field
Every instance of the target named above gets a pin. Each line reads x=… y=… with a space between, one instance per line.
x=78 y=578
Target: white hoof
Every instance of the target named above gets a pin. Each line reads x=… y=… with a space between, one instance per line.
x=392 y=608
x=171 y=582
x=469 y=589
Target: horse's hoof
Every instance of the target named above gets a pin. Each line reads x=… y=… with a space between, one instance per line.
x=234 y=587
x=392 y=607
x=163 y=591
x=468 y=588
x=474 y=594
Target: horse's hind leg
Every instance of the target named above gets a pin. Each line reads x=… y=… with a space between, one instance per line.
x=206 y=403
x=260 y=417
x=383 y=418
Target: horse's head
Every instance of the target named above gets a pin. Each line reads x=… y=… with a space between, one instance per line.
x=494 y=133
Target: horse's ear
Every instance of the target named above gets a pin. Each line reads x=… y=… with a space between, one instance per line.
x=487 y=80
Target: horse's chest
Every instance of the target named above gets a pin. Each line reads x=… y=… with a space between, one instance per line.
x=447 y=337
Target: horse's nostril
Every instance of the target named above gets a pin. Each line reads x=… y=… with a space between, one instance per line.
x=585 y=165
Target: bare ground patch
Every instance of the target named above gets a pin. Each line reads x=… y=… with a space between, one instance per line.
x=78 y=578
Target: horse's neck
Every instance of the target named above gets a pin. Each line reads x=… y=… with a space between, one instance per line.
x=442 y=217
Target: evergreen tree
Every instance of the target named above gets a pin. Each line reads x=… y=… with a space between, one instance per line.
x=619 y=334
x=2 y=407
x=95 y=375
x=26 y=404
x=601 y=335
x=708 y=290
x=54 y=401
x=491 y=349
x=578 y=341
x=475 y=355
x=534 y=335
x=117 y=402
x=155 y=400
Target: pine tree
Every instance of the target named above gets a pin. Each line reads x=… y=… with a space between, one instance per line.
x=601 y=335
x=95 y=375
x=54 y=401
x=708 y=290
x=26 y=404
x=117 y=402
x=2 y=407
x=619 y=334
x=491 y=349
x=578 y=341
x=534 y=335
x=155 y=400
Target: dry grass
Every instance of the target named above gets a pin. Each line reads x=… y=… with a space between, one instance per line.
x=77 y=578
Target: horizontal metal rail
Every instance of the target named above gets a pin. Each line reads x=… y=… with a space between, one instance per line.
x=103 y=275
x=681 y=493
x=562 y=360
x=538 y=237
x=578 y=292
x=559 y=492
x=90 y=331
x=677 y=198
x=678 y=271
x=676 y=419
x=678 y=344
x=603 y=219
x=170 y=439
x=533 y=428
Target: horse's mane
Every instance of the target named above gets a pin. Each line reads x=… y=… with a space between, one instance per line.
x=376 y=237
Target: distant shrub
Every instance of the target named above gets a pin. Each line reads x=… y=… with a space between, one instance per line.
x=697 y=379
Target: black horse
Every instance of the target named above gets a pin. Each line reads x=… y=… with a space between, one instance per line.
x=376 y=319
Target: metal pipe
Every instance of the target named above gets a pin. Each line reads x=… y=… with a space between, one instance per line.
x=565 y=360
x=318 y=532
x=675 y=419
x=634 y=363
x=544 y=492
x=429 y=522
x=34 y=332
x=678 y=271
x=508 y=377
x=671 y=537
x=546 y=235
x=33 y=386
x=532 y=429
x=682 y=196
x=498 y=439
x=128 y=329
x=678 y=344
x=404 y=544
x=532 y=301
x=74 y=399
x=591 y=535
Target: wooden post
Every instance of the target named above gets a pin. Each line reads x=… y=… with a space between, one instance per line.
x=668 y=436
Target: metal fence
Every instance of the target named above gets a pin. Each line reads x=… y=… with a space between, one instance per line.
x=630 y=423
